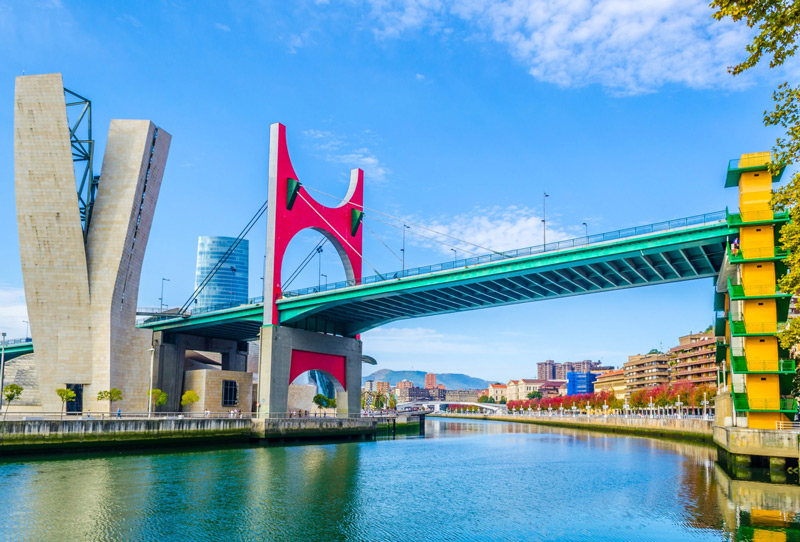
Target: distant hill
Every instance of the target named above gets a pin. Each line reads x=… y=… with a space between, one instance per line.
x=452 y=381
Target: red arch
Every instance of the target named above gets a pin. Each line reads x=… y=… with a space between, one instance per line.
x=303 y=360
x=293 y=214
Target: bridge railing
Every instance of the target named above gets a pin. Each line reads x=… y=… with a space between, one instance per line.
x=668 y=225
x=10 y=342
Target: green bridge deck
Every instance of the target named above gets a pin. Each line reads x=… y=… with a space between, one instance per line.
x=685 y=249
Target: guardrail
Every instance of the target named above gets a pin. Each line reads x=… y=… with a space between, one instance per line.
x=786 y=426
x=697 y=220
x=10 y=342
x=669 y=225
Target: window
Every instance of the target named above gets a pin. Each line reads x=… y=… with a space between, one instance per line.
x=230 y=393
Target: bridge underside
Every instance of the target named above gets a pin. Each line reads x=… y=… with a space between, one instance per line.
x=676 y=255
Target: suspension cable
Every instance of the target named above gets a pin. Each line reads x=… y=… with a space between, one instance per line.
x=409 y=223
x=423 y=236
x=224 y=258
x=333 y=231
x=376 y=236
x=304 y=263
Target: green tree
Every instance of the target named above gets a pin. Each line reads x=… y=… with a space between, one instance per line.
x=157 y=397
x=11 y=393
x=320 y=400
x=483 y=399
x=113 y=395
x=331 y=402
x=67 y=396
x=778 y=24
x=189 y=397
x=503 y=400
x=535 y=395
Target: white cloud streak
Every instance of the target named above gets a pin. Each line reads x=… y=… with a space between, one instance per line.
x=495 y=228
x=626 y=46
x=339 y=150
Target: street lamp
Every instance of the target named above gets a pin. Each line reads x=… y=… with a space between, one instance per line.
x=26 y=328
x=150 y=393
x=544 y=219
x=161 y=299
x=651 y=405
x=705 y=405
x=403 y=250
x=326 y=279
x=679 y=405
x=627 y=407
x=586 y=229
x=455 y=256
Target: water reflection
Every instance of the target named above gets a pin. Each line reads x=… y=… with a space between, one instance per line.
x=466 y=480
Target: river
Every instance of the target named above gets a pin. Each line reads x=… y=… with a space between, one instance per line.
x=465 y=480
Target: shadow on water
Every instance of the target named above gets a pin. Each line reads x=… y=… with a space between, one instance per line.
x=463 y=481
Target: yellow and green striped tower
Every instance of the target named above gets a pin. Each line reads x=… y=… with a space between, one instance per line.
x=759 y=372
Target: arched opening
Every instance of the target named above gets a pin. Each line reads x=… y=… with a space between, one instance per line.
x=315 y=259
x=310 y=385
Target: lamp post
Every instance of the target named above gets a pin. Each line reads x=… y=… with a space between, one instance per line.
x=455 y=256
x=586 y=230
x=605 y=410
x=161 y=299
x=705 y=405
x=403 y=250
x=150 y=392
x=651 y=405
x=2 y=366
x=326 y=279
x=27 y=324
x=574 y=411
x=626 y=407
x=679 y=405
x=544 y=219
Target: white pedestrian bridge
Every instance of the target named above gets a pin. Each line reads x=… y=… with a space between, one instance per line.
x=491 y=408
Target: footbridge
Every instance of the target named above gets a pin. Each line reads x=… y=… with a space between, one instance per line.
x=676 y=250
x=436 y=405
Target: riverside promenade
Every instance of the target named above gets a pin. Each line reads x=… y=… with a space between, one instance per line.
x=678 y=428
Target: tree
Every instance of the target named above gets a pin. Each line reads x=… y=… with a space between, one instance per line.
x=331 y=402
x=320 y=400
x=503 y=400
x=67 y=396
x=11 y=393
x=534 y=395
x=157 y=397
x=483 y=399
x=189 y=397
x=113 y=395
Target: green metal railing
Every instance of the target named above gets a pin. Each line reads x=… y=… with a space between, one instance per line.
x=756 y=254
x=738 y=291
x=742 y=403
x=741 y=365
x=697 y=220
x=755 y=217
x=738 y=327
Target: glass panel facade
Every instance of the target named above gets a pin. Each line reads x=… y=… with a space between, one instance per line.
x=228 y=287
x=230 y=393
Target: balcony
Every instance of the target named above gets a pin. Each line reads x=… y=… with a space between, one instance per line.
x=741 y=365
x=760 y=254
x=738 y=291
x=736 y=167
x=722 y=350
x=742 y=403
x=739 y=329
x=755 y=218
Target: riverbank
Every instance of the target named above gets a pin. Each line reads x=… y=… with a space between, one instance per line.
x=683 y=429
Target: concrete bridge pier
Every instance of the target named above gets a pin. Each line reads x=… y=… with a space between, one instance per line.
x=170 y=359
x=286 y=353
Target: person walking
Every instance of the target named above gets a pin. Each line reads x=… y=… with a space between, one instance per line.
x=119 y=413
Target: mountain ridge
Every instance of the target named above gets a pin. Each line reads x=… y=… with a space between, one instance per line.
x=451 y=381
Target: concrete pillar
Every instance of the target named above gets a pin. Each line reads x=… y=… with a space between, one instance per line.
x=741 y=460
x=777 y=464
x=275 y=363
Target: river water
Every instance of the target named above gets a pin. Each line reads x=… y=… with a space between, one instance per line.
x=465 y=480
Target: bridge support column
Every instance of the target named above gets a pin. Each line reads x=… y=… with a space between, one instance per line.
x=286 y=353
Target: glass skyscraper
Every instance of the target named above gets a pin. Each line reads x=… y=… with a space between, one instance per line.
x=229 y=284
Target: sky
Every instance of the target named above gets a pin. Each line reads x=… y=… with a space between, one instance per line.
x=462 y=115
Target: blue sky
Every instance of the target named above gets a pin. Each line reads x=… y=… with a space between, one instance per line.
x=461 y=114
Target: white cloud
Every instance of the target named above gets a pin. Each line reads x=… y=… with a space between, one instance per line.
x=420 y=77
x=626 y=46
x=223 y=27
x=130 y=19
x=496 y=228
x=339 y=150
x=14 y=311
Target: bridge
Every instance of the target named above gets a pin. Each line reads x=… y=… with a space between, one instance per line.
x=671 y=251
x=436 y=405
